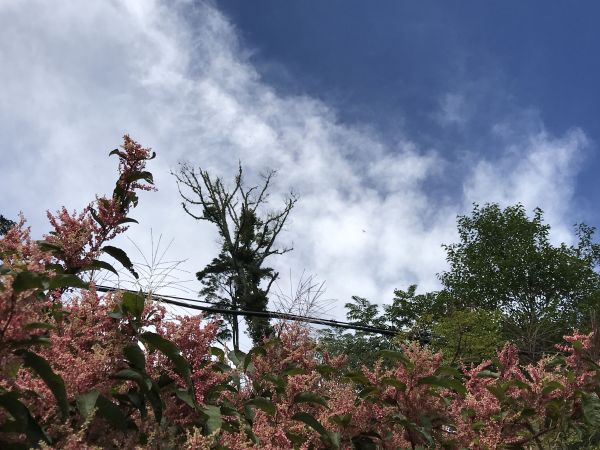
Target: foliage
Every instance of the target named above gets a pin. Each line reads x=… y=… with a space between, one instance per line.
x=237 y=278
x=358 y=348
x=83 y=371
x=505 y=262
x=5 y=224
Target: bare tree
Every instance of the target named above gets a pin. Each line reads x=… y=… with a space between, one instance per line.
x=237 y=278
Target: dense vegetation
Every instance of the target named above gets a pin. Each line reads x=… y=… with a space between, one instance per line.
x=81 y=370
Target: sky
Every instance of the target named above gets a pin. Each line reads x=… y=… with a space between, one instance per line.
x=387 y=119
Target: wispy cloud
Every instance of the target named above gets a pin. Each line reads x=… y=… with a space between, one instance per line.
x=77 y=76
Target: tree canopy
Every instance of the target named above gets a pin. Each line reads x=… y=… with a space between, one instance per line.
x=237 y=278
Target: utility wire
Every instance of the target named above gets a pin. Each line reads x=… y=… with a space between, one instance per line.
x=193 y=304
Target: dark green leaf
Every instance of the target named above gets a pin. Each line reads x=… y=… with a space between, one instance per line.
x=99 y=265
x=591 y=409
x=551 y=386
x=296 y=439
x=27 y=424
x=325 y=370
x=127 y=220
x=146 y=176
x=357 y=377
x=135 y=356
x=186 y=396
x=95 y=217
x=54 y=381
x=443 y=382
x=26 y=280
x=257 y=350
x=38 y=325
x=341 y=420
x=218 y=352
x=120 y=256
x=47 y=247
x=310 y=397
x=396 y=356
x=141 y=379
x=362 y=442
x=263 y=404
x=111 y=412
x=394 y=382
x=67 y=280
x=171 y=351
x=291 y=371
x=310 y=420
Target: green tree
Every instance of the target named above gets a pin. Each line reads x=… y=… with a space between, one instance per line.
x=360 y=347
x=504 y=262
x=237 y=278
x=5 y=225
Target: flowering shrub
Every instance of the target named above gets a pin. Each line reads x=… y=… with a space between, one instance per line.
x=83 y=370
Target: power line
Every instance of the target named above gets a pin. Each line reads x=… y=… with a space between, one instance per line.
x=193 y=304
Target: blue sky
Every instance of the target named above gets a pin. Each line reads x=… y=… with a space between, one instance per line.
x=389 y=63
x=387 y=121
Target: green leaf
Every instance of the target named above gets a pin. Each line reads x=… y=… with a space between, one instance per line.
x=591 y=409
x=87 y=402
x=551 y=386
x=310 y=420
x=214 y=420
x=263 y=404
x=127 y=220
x=332 y=439
x=342 y=420
x=120 y=256
x=99 y=265
x=185 y=396
x=146 y=176
x=47 y=247
x=291 y=371
x=156 y=402
x=325 y=370
x=170 y=350
x=310 y=397
x=498 y=391
x=54 y=381
x=26 y=423
x=96 y=217
x=135 y=356
x=118 y=153
x=237 y=357
x=68 y=280
x=394 y=382
x=443 y=382
x=26 y=280
x=141 y=379
x=357 y=377
x=257 y=350
x=296 y=439
x=112 y=413
x=362 y=442
x=396 y=356
x=218 y=352
x=488 y=374
x=38 y=325
x=133 y=302
x=278 y=382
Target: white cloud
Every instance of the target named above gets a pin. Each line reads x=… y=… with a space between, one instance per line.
x=76 y=77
